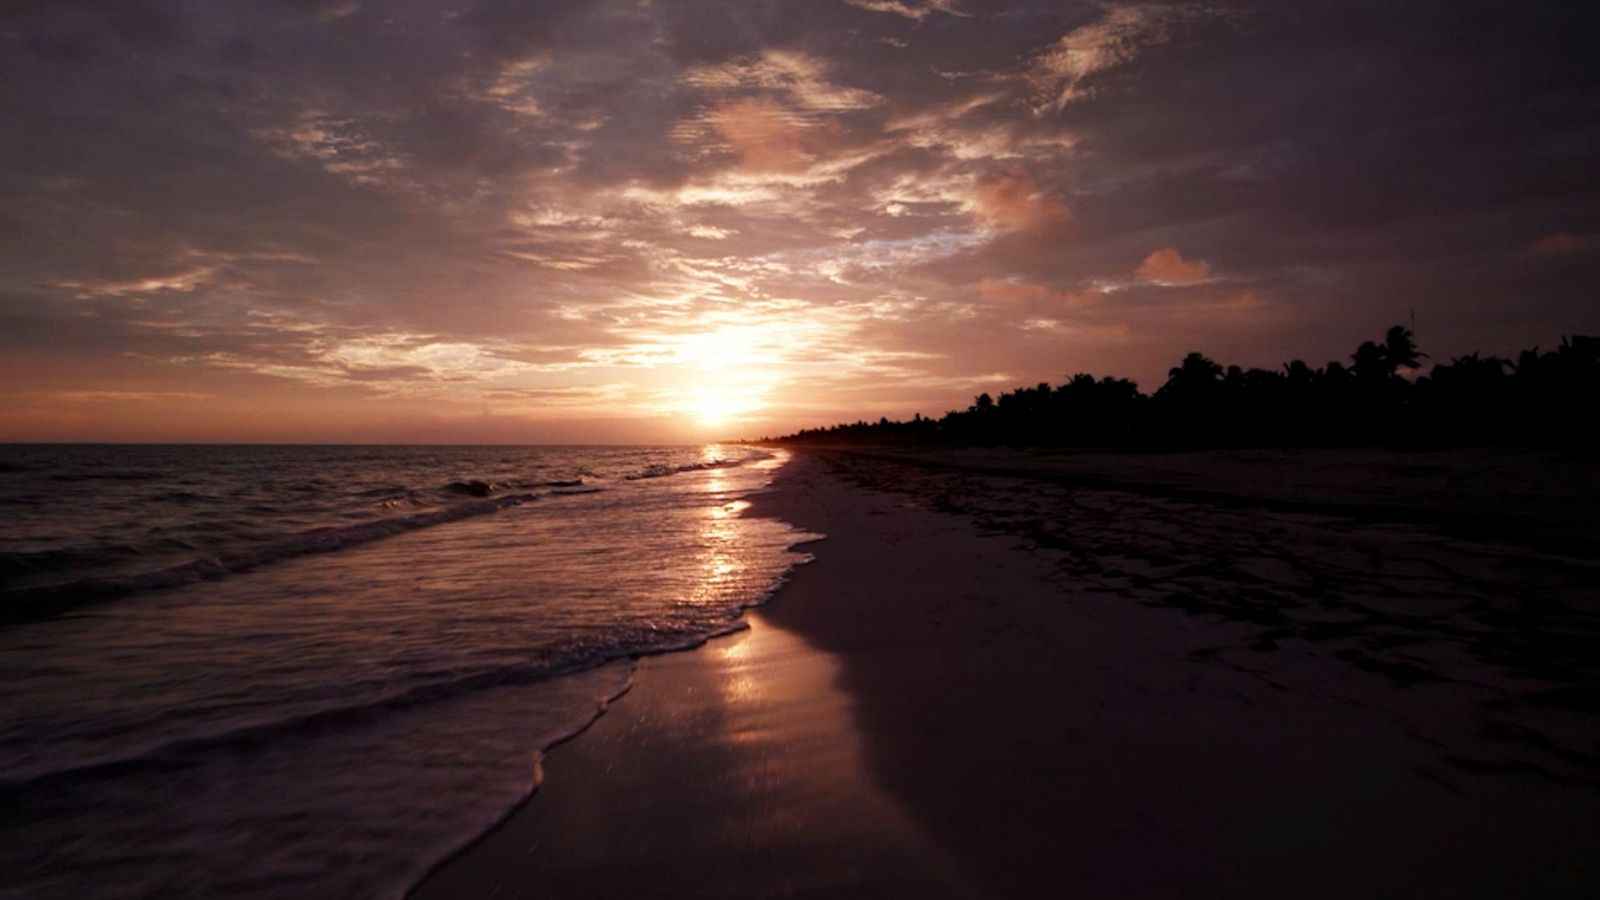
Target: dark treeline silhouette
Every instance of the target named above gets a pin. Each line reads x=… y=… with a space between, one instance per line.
x=1380 y=397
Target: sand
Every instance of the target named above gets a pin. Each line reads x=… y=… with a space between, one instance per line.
x=733 y=770
x=1004 y=685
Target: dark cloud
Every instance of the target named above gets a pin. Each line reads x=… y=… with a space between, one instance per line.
x=803 y=207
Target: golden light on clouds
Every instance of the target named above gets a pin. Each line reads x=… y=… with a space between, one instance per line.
x=1012 y=200
x=1167 y=266
x=635 y=222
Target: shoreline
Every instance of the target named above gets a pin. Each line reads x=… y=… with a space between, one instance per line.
x=1010 y=729
x=673 y=792
x=677 y=740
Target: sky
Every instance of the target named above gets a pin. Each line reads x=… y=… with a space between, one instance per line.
x=468 y=221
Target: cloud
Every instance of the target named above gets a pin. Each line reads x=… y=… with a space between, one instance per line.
x=406 y=212
x=802 y=78
x=763 y=133
x=1036 y=296
x=1167 y=266
x=1058 y=73
x=387 y=363
x=184 y=280
x=1564 y=243
x=512 y=87
x=340 y=145
x=118 y=396
x=325 y=11
x=1013 y=201
x=914 y=11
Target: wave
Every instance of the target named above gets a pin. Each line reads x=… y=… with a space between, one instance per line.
x=32 y=603
x=139 y=475
x=469 y=488
x=400 y=507
x=580 y=657
x=660 y=471
x=183 y=753
x=243 y=737
x=384 y=490
x=182 y=497
x=460 y=843
x=22 y=564
x=318 y=718
x=736 y=623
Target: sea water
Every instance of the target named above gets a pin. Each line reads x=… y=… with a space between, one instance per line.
x=318 y=671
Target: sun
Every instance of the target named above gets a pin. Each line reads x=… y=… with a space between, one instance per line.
x=718 y=407
x=713 y=409
x=722 y=375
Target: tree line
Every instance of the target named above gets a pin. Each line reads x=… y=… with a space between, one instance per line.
x=1380 y=397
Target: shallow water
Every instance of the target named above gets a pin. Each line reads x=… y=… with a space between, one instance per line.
x=333 y=720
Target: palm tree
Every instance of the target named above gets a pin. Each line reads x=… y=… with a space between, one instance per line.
x=1400 y=349
x=1196 y=372
x=1370 y=363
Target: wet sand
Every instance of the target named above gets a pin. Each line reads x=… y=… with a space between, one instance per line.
x=734 y=770
x=999 y=684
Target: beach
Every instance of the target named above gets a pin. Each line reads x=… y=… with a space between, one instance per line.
x=1013 y=676
x=805 y=449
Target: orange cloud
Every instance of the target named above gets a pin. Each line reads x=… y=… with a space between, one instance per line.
x=1564 y=243
x=1024 y=292
x=1167 y=266
x=766 y=135
x=1014 y=202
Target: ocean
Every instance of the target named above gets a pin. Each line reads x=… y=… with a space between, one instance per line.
x=320 y=671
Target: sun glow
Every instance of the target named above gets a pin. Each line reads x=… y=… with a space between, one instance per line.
x=727 y=373
x=716 y=407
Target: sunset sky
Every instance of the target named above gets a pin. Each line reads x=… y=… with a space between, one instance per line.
x=497 y=221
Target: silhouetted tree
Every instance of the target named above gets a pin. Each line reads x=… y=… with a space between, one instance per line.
x=1370 y=363
x=1400 y=349
x=1471 y=399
